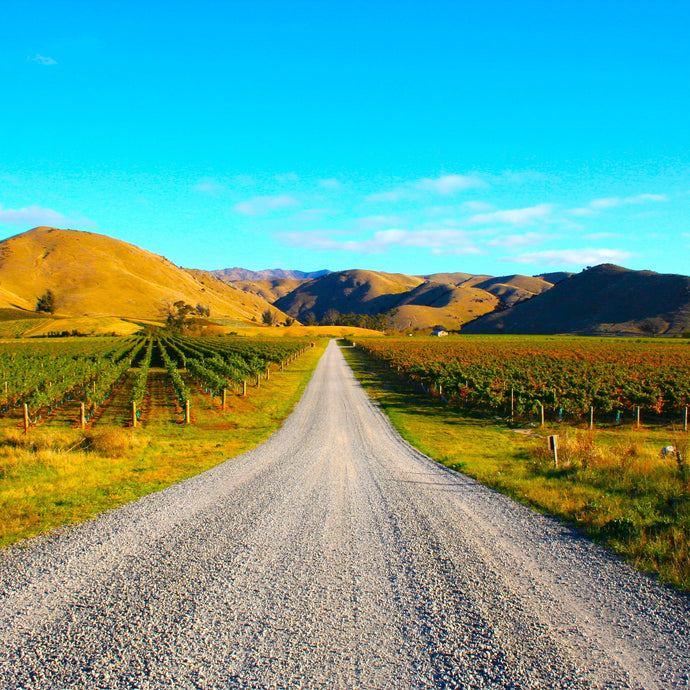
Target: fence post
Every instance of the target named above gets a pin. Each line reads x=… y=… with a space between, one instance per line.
x=134 y=413
x=637 y=416
x=542 y=414
x=553 y=445
x=187 y=415
x=82 y=415
x=512 y=403
x=591 y=417
x=685 y=419
x=244 y=388
x=26 y=418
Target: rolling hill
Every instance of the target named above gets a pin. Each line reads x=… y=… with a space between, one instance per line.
x=408 y=302
x=605 y=299
x=94 y=275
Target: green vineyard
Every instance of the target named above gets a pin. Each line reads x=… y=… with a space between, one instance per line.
x=121 y=381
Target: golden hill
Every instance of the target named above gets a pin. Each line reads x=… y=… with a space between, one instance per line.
x=94 y=275
x=271 y=290
x=408 y=302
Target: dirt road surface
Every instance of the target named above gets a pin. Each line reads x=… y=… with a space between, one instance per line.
x=332 y=556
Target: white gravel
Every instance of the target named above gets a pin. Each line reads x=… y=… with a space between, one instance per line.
x=332 y=556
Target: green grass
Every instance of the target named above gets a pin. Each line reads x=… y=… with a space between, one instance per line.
x=53 y=477
x=612 y=484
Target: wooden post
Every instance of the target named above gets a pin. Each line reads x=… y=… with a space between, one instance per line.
x=685 y=419
x=281 y=365
x=512 y=403
x=591 y=417
x=258 y=380
x=553 y=445
x=82 y=415
x=26 y=418
x=134 y=413
x=187 y=415
x=225 y=398
x=542 y=414
x=268 y=373
x=244 y=389
x=637 y=416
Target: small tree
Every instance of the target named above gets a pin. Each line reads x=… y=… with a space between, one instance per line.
x=176 y=314
x=269 y=318
x=46 y=302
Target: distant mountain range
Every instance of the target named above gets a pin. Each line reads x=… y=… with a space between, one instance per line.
x=231 y=275
x=605 y=299
x=92 y=275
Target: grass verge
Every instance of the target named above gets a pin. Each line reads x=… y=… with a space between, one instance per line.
x=53 y=477
x=612 y=484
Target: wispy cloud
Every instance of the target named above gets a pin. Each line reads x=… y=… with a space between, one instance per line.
x=517 y=216
x=377 y=222
x=331 y=183
x=601 y=236
x=446 y=185
x=524 y=240
x=287 y=178
x=208 y=185
x=42 y=60
x=32 y=216
x=262 y=205
x=597 y=205
x=438 y=241
x=572 y=257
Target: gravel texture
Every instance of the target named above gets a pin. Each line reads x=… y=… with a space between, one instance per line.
x=332 y=556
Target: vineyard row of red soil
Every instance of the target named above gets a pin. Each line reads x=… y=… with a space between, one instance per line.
x=569 y=378
x=115 y=380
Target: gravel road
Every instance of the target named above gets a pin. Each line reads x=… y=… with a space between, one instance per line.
x=332 y=556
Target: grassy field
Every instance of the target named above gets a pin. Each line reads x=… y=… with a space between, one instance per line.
x=55 y=476
x=612 y=484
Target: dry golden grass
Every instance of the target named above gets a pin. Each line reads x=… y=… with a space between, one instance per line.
x=52 y=477
x=95 y=275
x=613 y=484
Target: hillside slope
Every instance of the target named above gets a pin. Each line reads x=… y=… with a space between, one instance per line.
x=409 y=302
x=354 y=291
x=96 y=275
x=606 y=299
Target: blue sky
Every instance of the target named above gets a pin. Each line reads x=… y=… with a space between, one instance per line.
x=410 y=136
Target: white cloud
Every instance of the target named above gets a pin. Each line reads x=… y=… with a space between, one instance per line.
x=446 y=185
x=377 y=222
x=523 y=240
x=208 y=186
x=331 y=183
x=572 y=257
x=394 y=196
x=287 y=178
x=598 y=205
x=477 y=206
x=517 y=216
x=601 y=236
x=261 y=205
x=42 y=60
x=439 y=241
x=33 y=216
